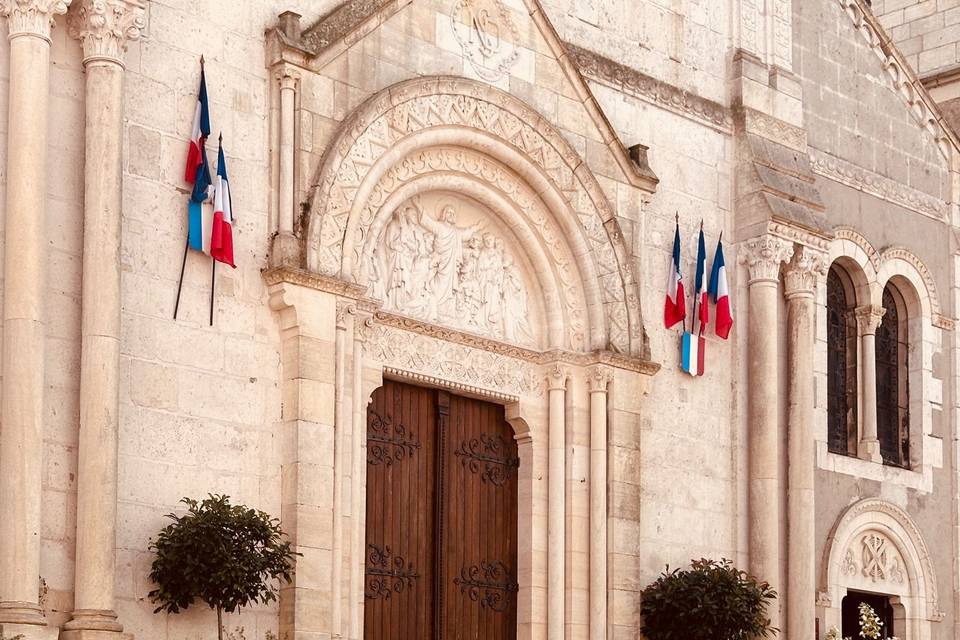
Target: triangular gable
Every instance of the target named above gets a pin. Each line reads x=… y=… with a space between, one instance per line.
x=900 y=76
x=334 y=34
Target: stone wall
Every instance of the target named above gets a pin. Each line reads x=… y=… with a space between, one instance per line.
x=926 y=31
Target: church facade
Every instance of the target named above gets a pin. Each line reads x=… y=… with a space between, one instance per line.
x=441 y=359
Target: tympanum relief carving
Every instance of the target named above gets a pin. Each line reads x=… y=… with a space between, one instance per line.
x=873 y=558
x=487 y=35
x=441 y=259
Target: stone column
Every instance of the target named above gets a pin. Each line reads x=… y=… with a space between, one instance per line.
x=800 y=281
x=341 y=418
x=556 y=503
x=285 y=246
x=868 y=320
x=21 y=418
x=763 y=256
x=103 y=26
x=599 y=379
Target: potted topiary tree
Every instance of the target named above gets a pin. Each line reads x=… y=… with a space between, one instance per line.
x=710 y=601
x=226 y=555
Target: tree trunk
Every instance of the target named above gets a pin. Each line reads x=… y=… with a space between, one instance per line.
x=219 y=623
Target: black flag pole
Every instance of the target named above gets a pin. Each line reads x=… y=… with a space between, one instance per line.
x=183 y=266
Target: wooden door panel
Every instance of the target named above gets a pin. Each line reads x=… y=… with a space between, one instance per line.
x=401 y=513
x=478 y=538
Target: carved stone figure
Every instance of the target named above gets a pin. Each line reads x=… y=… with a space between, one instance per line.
x=428 y=267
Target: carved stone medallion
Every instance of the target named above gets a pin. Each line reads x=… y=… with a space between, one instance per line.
x=487 y=35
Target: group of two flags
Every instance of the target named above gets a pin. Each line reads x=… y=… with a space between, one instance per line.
x=209 y=232
x=675 y=310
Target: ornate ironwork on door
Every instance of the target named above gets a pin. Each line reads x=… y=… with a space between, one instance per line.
x=441 y=536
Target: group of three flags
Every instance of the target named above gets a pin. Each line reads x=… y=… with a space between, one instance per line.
x=675 y=309
x=209 y=232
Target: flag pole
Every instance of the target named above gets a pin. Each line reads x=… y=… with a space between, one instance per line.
x=213 y=280
x=183 y=266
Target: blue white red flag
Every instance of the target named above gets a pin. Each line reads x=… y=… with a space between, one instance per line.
x=720 y=292
x=221 y=237
x=200 y=133
x=694 y=344
x=675 y=308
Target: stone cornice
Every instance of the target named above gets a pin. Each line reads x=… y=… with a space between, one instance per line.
x=851 y=175
x=32 y=17
x=105 y=26
x=638 y=84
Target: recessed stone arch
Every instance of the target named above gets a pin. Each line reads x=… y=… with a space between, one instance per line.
x=876 y=546
x=385 y=143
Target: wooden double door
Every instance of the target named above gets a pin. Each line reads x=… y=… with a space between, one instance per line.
x=441 y=534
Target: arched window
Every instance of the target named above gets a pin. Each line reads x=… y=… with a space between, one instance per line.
x=893 y=417
x=841 y=364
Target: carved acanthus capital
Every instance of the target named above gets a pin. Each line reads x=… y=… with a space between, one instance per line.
x=557 y=377
x=105 y=26
x=805 y=270
x=868 y=318
x=287 y=77
x=599 y=378
x=763 y=256
x=32 y=17
x=344 y=308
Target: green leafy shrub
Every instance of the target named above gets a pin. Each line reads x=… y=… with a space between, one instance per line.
x=226 y=555
x=710 y=601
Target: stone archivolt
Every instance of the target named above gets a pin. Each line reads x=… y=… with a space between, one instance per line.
x=383 y=143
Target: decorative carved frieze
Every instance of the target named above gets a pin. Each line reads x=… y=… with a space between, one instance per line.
x=847 y=173
x=32 y=17
x=640 y=85
x=807 y=268
x=763 y=256
x=771 y=128
x=868 y=318
x=105 y=26
x=487 y=35
x=782 y=25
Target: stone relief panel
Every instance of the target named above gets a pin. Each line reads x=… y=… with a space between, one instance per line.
x=487 y=35
x=873 y=559
x=443 y=259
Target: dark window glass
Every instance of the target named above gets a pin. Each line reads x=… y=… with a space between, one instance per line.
x=893 y=426
x=841 y=368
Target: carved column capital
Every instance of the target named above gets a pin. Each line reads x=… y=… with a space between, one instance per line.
x=804 y=271
x=105 y=26
x=557 y=377
x=344 y=308
x=599 y=378
x=763 y=255
x=32 y=17
x=287 y=77
x=868 y=318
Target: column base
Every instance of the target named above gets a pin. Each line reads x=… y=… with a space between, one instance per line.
x=22 y=613
x=86 y=621
x=285 y=251
x=869 y=450
x=27 y=631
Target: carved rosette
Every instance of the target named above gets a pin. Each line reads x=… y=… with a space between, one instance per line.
x=105 y=26
x=599 y=379
x=763 y=255
x=807 y=268
x=868 y=318
x=32 y=17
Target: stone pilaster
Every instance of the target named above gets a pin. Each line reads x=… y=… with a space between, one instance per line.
x=104 y=27
x=763 y=256
x=286 y=248
x=868 y=320
x=599 y=379
x=556 y=502
x=801 y=278
x=21 y=418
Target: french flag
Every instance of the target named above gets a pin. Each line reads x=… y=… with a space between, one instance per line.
x=221 y=237
x=675 y=308
x=201 y=131
x=694 y=345
x=720 y=292
x=199 y=216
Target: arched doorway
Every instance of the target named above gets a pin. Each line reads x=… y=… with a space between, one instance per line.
x=441 y=535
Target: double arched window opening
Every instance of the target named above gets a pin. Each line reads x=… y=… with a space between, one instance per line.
x=847 y=373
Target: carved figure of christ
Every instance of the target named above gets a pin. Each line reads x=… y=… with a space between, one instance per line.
x=447 y=253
